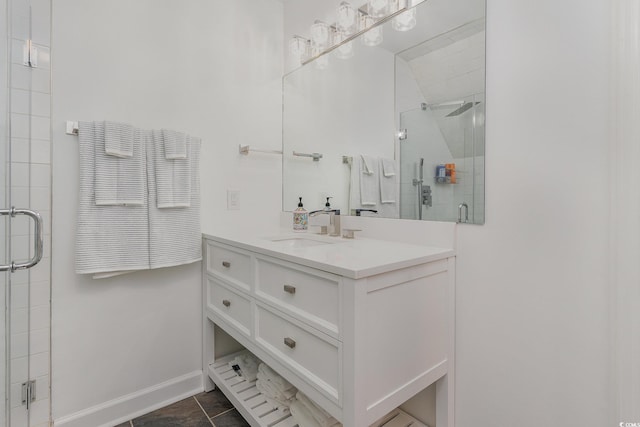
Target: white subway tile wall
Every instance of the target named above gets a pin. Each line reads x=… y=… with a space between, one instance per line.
x=30 y=184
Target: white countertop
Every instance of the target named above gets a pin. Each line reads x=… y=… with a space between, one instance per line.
x=352 y=258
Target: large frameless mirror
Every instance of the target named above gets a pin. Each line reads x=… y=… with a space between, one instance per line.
x=397 y=117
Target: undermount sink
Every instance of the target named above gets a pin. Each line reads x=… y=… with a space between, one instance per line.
x=301 y=241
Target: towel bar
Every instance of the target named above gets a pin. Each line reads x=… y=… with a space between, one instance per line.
x=245 y=149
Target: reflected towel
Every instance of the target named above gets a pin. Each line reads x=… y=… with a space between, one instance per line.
x=368 y=181
x=388 y=167
x=118 y=139
x=388 y=183
x=118 y=180
x=175 y=144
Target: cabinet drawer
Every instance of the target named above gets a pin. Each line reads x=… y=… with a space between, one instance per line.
x=313 y=357
x=231 y=306
x=230 y=264
x=313 y=298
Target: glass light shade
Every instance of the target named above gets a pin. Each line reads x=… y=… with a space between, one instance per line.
x=373 y=37
x=322 y=62
x=298 y=47
x=346 y=50
x=320 y=34
x=378 y=8
x=346 y=18
x=405 y=21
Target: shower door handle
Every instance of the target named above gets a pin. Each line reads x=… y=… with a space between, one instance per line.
x=37 y=239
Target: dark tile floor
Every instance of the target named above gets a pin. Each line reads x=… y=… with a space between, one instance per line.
x=202 y=410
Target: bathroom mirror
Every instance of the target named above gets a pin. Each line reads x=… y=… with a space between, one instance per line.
x=399 y=126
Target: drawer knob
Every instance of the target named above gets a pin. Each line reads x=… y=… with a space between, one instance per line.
x=226 y=302
x=226 y=264
x=290 y=289
x=289 y=343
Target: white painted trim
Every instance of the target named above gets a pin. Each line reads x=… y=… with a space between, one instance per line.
x=625 y=213
x=135 y=404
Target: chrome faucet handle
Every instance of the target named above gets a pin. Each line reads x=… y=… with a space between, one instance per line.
x=349 y=233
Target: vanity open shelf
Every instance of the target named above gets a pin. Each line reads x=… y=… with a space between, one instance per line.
x=359 y=327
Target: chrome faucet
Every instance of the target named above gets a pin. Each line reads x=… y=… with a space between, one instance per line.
x=334 y=220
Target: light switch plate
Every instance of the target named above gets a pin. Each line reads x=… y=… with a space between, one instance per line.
x=233 y=200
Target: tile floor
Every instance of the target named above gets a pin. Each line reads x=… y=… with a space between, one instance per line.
x=201 y=410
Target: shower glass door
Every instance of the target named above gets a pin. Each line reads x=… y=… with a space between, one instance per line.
x=24 y=139
x=440 y=134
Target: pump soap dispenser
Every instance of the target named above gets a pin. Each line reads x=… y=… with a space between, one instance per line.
x=300 y=218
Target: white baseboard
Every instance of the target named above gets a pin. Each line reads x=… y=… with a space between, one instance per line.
x=133 y=405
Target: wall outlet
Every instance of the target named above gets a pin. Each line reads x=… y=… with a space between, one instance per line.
x=233 y=200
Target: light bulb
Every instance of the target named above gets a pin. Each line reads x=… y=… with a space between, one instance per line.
x=298 y=47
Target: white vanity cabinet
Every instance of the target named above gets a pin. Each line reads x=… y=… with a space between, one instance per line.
x=359 y=335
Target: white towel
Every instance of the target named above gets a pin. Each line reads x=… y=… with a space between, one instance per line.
x=368 y=181
x=323 y=418
x=248 y=366
x=173 y=178
x=108 y=238
x=302 y=415
x=388 y=167
x=118 y=139
x=175 y=144
x=118 y=181
x=274 y=377
x=388 y=183
x=174 y=234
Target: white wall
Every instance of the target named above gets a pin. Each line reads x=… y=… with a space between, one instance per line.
x=532 y=282
x=532 y=298
x=210 y=68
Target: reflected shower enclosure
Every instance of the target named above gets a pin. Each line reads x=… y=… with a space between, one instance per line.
x=449 y=132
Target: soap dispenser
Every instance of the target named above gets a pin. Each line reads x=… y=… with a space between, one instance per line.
x=327 y=206
x=300 y=218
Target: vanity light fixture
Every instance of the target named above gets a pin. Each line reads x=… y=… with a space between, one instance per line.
x=405 y=21
x=344 y=50
x=378 y=8
x=320 y=33
x=347 y=18
x=373 y=37
x=299 y=48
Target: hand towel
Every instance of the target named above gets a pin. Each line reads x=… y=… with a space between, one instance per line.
x=388 y=167
x=302 y=415
x=108 y=238
x=118 y=139
x=274 y=389
x=173 y=177
x=118 y=181
x=271 y=392
x=320 y=415
x=273 y=376
x=388 y=183
x=368 y=181
x=175 y=144
x=174 y=234
x=248 y=366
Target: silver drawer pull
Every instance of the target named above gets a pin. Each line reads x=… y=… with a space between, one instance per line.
x=226 y=302
x=289 y=343
x=226 y=264
x=290 y=289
